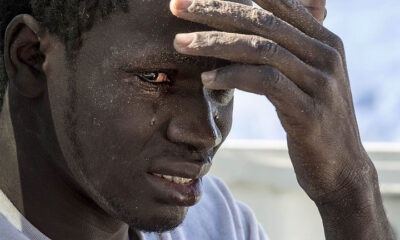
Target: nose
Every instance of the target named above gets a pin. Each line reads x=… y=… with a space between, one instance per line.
x=195 y=127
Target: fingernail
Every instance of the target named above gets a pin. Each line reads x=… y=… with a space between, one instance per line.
x=183 y=40
x=182 y=4
x=208 y=77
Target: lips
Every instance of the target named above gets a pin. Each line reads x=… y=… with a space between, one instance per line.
x=178 y=183
x=175 y=179
x=175 y=194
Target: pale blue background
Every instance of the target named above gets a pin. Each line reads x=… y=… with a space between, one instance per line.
x=371 y=33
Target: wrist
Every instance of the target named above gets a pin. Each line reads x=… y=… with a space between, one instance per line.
x=359 y=195
x=356 y=211
x=357 y=184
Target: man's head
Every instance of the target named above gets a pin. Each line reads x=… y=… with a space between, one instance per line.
x=114 y=124
x=125 y=106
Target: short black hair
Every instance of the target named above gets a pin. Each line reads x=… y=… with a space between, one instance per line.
x=66 y=19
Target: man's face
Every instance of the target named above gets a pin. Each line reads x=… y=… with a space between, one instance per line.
x=117 y=127
x=132 y=107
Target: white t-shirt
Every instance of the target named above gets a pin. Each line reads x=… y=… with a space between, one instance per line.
x=216 y=217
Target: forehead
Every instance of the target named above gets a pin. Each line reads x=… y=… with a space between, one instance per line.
x=144 y=33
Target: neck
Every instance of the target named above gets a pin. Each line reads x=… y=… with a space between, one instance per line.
x=38 y=188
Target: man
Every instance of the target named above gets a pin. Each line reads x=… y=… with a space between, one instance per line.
x=111 y=118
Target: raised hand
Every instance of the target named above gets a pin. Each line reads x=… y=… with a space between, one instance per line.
x=284 y=53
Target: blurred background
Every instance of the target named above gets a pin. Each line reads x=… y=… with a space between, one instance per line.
x=254 y=161
x=371 y=36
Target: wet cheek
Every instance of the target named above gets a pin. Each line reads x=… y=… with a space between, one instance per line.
x=115 y=140
x=116 y=120
x=224 y=119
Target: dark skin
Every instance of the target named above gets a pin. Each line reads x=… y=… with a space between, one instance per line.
x=89 y=136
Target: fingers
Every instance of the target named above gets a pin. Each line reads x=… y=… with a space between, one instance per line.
x=293 y=12
x=288 y=99
x=316 y=8
x=290 y=11
x=249 y=49
x=236 y=17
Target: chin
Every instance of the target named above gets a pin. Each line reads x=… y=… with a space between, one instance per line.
x=160 y=221
x=154 y=217
x=147 y=215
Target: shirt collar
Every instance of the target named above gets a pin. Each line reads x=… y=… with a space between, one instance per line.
x=15 y=218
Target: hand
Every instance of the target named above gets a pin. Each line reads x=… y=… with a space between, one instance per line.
x=284 y=53
x=300 y=66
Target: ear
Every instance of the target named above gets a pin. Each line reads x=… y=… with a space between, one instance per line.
x=317 y=8
x=23 y=59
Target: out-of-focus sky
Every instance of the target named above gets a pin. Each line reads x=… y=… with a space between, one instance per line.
x=371 y=34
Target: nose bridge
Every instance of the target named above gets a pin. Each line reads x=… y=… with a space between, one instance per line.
x=195 y=126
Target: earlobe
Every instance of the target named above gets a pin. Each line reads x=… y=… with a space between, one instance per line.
x=23 y=58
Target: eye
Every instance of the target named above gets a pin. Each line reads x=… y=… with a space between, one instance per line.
x=154 y=77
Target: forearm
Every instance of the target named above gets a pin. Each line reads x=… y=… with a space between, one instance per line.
x=357 y=216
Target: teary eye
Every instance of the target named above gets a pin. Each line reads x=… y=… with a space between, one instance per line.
x=154 y=77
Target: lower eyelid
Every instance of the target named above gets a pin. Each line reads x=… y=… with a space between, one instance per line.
x=136 y=81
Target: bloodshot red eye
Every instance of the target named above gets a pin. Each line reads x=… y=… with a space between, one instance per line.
x=155 y=77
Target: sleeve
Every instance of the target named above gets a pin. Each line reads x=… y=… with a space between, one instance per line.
x=243 y=217
x=8 y=231
x=249 y=221
x=216 y=217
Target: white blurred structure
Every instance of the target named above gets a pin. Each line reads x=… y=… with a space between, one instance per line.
x=260 y=174
x=371 y=35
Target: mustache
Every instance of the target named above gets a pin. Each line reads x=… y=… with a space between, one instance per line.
x=184 y=154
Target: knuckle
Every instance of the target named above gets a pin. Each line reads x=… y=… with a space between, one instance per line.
x=207 y=40
x=271 y=81
x=271 y=48
x=267 y=49
x=336 y=42
x=256 y=42
x=333 y=59
x=211 y=39
x=275 y=76
x=262 y=18
x=324 y=82
x=263 y=48
x=328 y=87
